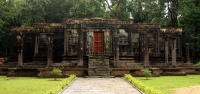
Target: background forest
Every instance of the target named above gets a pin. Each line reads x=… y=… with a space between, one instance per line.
x=168 y=13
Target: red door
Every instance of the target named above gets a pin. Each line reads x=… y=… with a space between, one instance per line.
x=98 y=42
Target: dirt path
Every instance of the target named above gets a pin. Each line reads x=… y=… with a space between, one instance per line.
x=188 y=90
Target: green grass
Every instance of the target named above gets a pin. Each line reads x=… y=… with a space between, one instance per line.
x=166 y=84
x=26 y=85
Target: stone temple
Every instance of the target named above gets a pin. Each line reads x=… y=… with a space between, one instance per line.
x=96 y=47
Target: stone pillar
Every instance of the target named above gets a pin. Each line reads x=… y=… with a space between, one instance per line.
x=166 y=51
x=179 y=46
x=141 y=48
x=146 y=51
x=65 y=43
x=116 y=53
x=50 y=50
x=80 y=48
x=174 y=52
x=116 y=46
x=157 y=52
x=20 y=51
x=36 y=45
x=187 y=52
x=130 y=49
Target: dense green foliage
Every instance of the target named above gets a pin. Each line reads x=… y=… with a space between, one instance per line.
x=189 y=11
x=166 y=84
x=198 y=63
x=147 y=73
x=168 y=13
x=27 y=85
x=62 y=85
x=56 y=73
x=141 y=86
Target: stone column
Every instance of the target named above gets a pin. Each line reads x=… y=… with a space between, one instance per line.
x=179 y=46
x=166 y=50
x=50 y=50
x=80 y=48
x=36 y=45
x=157 y=43
x=146 y=51
x=130 y=51
x=187 y=52
x=116 y=55
x=116 y=46
x=174 y=52
x=141 y=48
x=20 y=51
x=65 y=43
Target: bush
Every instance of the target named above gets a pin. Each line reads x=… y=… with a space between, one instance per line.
x=141 y=86
x=198 y=63
x=56 y=72
x=62 y=85
x=147 y=73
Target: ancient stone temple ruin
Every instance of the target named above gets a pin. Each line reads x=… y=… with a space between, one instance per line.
x=95 y=47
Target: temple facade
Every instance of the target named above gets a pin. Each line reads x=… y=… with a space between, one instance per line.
x=95 y=47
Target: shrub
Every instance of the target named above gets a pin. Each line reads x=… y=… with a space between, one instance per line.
x=147 y=73
x=198 y=63
x=56 y=72
x=62 y=85
x=141 y=86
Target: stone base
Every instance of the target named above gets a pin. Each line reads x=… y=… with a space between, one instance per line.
x=98 y=66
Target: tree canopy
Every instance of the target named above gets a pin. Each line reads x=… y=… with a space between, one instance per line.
x=168 y=13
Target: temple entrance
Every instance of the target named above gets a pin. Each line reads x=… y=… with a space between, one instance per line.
x=98 y=42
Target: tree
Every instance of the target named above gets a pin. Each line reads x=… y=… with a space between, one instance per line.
x=8 y=11
x=148 y=11
x=31 y=12
x=147 y=73
x=56 y=10
x=56 y=72
x=189 y=11
x=118 y=9
x=172 y=6
x=87 y=9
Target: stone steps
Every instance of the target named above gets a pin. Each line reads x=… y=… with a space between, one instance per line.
x=98 y=66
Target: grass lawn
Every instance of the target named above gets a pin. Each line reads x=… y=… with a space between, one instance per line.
x=26 y=85
x=166 y=84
